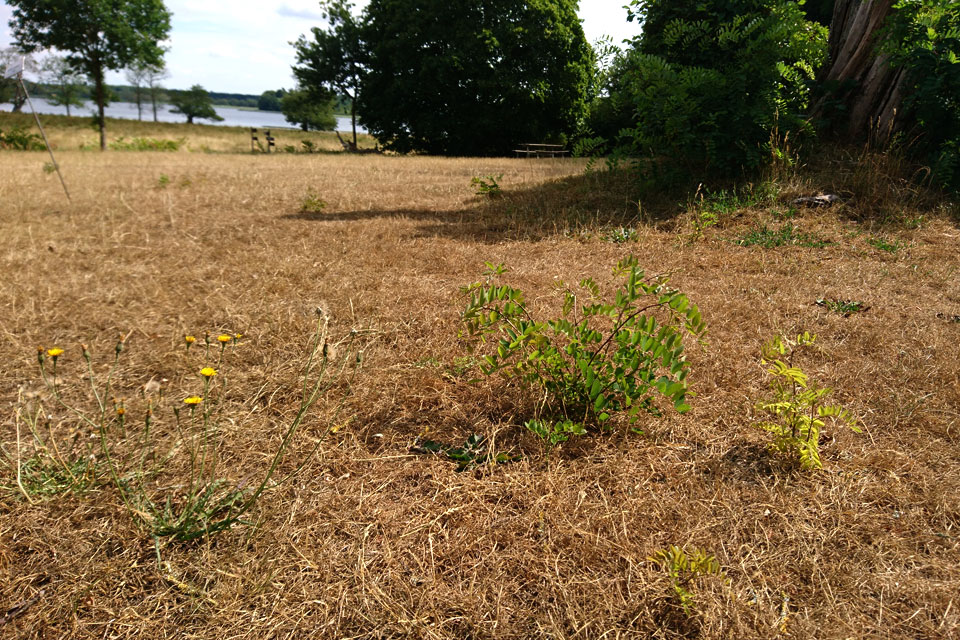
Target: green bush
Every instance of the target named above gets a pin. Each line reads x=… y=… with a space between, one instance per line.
x=601 y=356
x=19 y=139
x=924 y=39
x=720 y=89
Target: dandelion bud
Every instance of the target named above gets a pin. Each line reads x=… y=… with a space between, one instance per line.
x=40 y=355
x=119 y=347
x=84 y=351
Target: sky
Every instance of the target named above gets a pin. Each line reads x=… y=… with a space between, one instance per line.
x=242 y=46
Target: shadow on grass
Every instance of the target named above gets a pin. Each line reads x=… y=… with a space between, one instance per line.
x=567 y=206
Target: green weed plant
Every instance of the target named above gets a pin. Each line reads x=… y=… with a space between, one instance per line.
x=683 y=568
x=796 y=409
x=599 y=358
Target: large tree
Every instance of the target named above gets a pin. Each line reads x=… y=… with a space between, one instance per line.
x=97 y=35
x=194 y=103
x=305 y=111
x=473 y=78
x=332 y=62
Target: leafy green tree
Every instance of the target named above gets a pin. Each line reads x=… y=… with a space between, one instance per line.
x=194 y=103
x=473 y=78
x=332 y=63
x=717 y=87
x=67 y=86
x=302 y=109
x=98 y=35
x=270 y=100
x=923 y=41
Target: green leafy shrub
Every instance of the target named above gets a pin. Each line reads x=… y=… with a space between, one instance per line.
x=683 y=569
x=786 y=235
x=19 y=139
x=843 y=307
x=312 y=203
x=475 y=451
x=796 y=408
x=599 y=358
x=923 y=38
x=719 y=88
x=487 y=186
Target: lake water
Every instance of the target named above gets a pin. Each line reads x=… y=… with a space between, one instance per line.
x=232 y=116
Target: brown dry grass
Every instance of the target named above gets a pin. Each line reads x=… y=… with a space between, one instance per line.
x=77 y=132
x=372 y=541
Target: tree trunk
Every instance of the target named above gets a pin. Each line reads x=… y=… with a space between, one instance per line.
x=857 y=76
x=353 y=120
x=99 y=95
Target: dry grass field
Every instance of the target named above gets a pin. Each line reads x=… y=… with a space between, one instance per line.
x=78 y=132
x=374 y=540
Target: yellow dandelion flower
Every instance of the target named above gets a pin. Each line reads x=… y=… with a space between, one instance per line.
x=193 y=400
x=189 y=339
x=208 y=372
x=238 y=336
x=224 y=338
x=56 y=351
x=121 y=411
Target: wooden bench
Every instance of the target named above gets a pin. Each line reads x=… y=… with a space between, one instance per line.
x=540 y=150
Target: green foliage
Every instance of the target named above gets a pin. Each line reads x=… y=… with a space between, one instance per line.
x=473 y=78
x=312 y=203
x=843 y=307
x=19 y=139
x=554 y=432
x=884 y=244
x=333 y=63
x=195 y=103
x=270 y=100
x=796 y=408
x=307 y=112
x=620 y=235
x=923 y=38
x=474 y=452
x=487 y=186
x=599 y=358
x=710 y=87
x=97 y=36
x=786 y=235
x=683 y=568
x=146 y=144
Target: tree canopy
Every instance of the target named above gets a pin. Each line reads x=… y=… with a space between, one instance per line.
x=451 y=78
x=195 y=103
x=308 y=113
x=332 y=62
x=97 y=35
